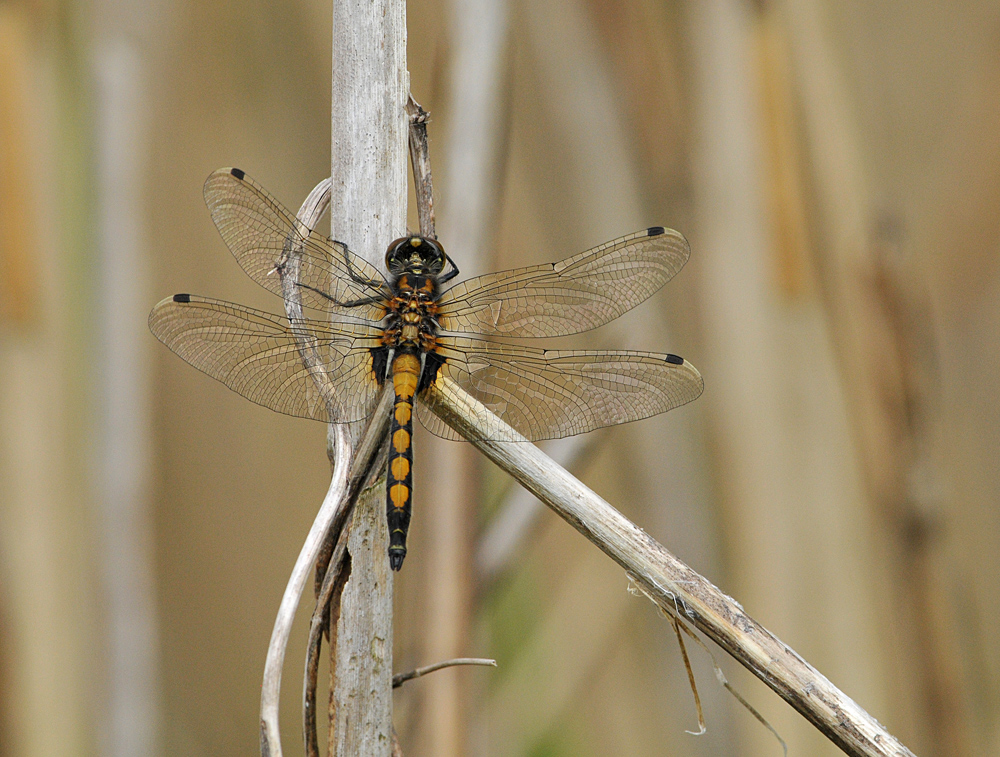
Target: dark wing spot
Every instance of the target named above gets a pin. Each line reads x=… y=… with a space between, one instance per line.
x=675 y=359
x=182 y=298
x=238 y=173
x=432 y=364
x=655 y=231
x=380 y=363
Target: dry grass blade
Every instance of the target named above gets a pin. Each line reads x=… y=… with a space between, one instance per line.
x=750 y=708
x=324 y=616
x=690 y=673
x=725 y=681
x=679 y=626
x=270 y=743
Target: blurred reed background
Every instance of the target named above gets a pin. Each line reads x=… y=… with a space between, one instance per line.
x=836 y=167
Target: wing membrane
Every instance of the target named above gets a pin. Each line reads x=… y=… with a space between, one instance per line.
x=256 y=354
x=573 y=295
x=260 y=231
x=549 y=394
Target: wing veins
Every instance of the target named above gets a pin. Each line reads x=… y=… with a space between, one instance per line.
x=546 y=394
x=258 y=356
x=260 y=232
x=573 y=295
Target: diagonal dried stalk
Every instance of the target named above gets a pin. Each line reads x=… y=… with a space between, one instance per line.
x=668 y=582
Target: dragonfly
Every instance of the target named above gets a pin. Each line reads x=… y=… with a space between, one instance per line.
x=407 y=329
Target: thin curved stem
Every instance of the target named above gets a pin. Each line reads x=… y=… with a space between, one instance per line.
x=270 y=740
x=324 y=615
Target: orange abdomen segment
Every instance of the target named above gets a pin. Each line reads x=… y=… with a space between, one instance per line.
x=399 y=478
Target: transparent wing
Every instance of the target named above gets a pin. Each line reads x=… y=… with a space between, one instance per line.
x=260 y=231
x=573 y=295
x=549 y=394
x=256 y=354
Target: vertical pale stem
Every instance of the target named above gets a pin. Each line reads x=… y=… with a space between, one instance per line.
x=369 y=125
x=368 y=210
x=361 y=710
x=742 y=323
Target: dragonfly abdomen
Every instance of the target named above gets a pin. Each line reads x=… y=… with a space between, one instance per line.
x=399 y=479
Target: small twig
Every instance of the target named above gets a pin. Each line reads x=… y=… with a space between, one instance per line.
x=400 y=678
x=420 y=161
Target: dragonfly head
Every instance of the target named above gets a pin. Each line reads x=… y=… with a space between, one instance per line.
x=415 y=254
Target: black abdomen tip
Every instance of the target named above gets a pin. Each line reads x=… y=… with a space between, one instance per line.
x=675 y=359
x=238 y=173
x=182 y=298
x=396 y=559
x=655 y=231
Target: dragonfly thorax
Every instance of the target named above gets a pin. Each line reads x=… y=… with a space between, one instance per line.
x=411 y=326
x=412 y=313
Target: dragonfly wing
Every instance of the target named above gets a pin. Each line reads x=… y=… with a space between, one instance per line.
x=257 y=355
x=573 y=295
x=260 y=232
x=549 y=394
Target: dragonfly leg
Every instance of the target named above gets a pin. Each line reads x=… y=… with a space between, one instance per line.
x=349 y=303
x=356 y=277
x=452 y=273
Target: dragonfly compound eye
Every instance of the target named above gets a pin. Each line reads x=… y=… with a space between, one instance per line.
x=398 y=254
x=433 y=255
